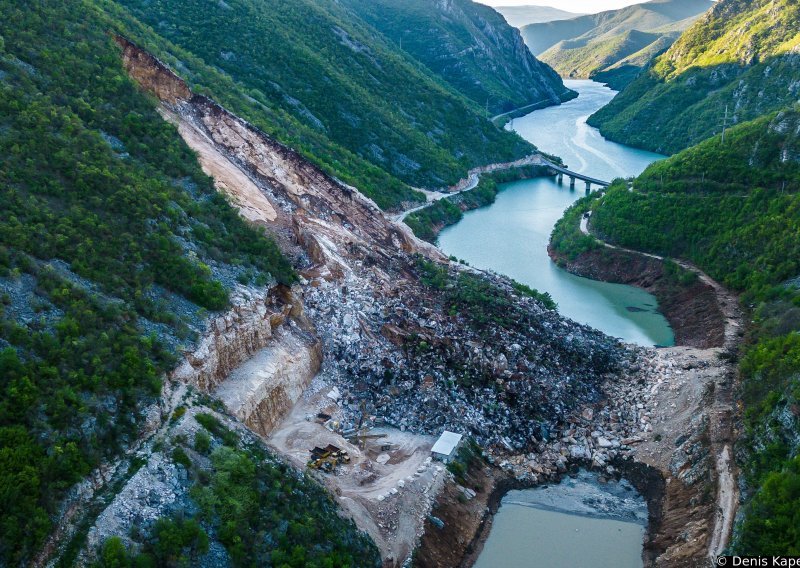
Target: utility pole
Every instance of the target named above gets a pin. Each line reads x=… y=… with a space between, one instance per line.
x=724 y=124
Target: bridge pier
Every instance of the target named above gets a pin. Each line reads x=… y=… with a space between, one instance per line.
x=560 y=178
x=571 y=182
x=588 y=186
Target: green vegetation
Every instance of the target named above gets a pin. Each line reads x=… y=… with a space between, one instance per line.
x=733 y=209
x=375 y=118
x=730 y=208
x=471 y=47
x=265 y=513
x=616 y=44
x=631 y=50
x=108 y=227
x=262 y=511
x=741 y=57
x=428 y=222
x=476 y=298
x=469 y=456
x=567 y=239
x=173 y=542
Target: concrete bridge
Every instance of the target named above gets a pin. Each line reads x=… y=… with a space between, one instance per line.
x=561 y=172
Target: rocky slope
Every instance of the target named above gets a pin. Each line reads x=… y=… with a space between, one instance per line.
x=121 y=262
x=691 y=309
x=590 y=45
x=420 y=345
x=471 y=47
x=731 y=207
x=741 y=56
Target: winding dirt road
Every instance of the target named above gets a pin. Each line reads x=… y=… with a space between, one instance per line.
x=469 y=183
x=721 y=409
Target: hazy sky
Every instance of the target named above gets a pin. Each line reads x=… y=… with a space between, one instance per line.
x=583 y=6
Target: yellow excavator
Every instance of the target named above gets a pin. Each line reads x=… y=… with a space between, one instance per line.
x=328 y=458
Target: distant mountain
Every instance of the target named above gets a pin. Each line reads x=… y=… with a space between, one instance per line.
x=470 y=46
x=624 y=39
x=743 y=55
x=519 y=16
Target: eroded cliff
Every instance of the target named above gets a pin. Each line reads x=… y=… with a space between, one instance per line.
x=396 y=336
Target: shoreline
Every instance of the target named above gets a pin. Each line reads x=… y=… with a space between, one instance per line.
x=679 y=459
x=506 y=117
x=647 y=481
x=691 y=309
x=429 y=220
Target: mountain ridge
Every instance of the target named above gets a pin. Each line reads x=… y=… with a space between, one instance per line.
x=742 y=56
x=586 y=46
x=519 y=16
x=392 y=119
x=469 y=46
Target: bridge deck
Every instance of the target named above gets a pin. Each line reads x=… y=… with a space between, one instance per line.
x=575 y=175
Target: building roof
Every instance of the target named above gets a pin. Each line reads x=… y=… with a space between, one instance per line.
x=446 y=443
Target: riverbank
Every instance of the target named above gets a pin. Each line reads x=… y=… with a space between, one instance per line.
x=689 y=304
x=715 y=348
x=667 y=425
x=502 y=119
x=428 y=222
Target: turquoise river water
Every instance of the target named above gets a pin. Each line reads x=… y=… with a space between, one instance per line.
x=510 y=236
x=580 y=523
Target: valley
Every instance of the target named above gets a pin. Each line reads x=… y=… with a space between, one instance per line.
x=312 y=284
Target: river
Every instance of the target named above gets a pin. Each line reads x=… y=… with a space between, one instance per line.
x=579 y=523
x=511 y=235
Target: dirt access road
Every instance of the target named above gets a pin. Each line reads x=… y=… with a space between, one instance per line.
x=468 y=183
x=722 y=406
x=388 y=492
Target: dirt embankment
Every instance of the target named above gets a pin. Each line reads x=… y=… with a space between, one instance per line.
x=467 y=521
x=691 y=309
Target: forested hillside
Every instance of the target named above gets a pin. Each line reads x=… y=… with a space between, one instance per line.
x=362 y=103
x=733 y=209
x=114 y=247
x=618 y=42
x=471 y=47
x=742 y=56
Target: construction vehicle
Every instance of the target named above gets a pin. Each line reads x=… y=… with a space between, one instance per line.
x=328 y=458
x=360 y=436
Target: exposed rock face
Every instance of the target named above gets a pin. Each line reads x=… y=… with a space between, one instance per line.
x=403 y=339
x=471 y=47
x=722 y=61
x=692 y=311
x=151 y=74
x=262 y=390
x=362 y=279
x=232 y=338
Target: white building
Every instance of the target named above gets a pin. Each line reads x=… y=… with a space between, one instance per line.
x=446 y=446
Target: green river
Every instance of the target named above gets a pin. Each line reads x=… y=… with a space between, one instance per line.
x=510 y=236
x=580 y=523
